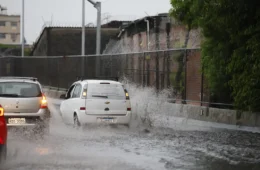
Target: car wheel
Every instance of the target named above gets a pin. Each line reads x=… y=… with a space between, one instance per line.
x=3 y=153
x=76 y=121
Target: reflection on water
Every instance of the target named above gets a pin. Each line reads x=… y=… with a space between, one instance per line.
x=219 y=164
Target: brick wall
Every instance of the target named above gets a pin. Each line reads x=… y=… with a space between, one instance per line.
x=193 y=78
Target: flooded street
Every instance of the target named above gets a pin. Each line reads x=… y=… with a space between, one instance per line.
x=106 y=147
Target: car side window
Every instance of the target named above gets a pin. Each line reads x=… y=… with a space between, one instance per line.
x=77 y=91
x=69 y=93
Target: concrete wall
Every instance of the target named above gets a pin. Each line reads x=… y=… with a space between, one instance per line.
x=208 y=114
x=63 y=41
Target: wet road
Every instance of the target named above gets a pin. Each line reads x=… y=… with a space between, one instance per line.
x=105 y=147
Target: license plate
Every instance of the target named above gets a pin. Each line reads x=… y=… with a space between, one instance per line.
x=16 y=121
x=107 y=120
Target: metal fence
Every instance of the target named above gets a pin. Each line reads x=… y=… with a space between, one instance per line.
x=178 y=70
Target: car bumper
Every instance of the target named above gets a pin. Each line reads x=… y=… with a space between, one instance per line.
x=31 y=119
x=113 y=119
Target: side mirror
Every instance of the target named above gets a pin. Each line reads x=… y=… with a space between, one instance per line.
x=63 y=96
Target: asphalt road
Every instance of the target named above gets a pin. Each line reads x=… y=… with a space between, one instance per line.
x=137 y=148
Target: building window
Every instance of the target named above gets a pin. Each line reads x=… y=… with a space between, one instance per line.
x=13 y=37
x=2 y=36
x=2 y=23
x=14 y=24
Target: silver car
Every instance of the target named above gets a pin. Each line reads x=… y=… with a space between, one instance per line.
x=24 y=103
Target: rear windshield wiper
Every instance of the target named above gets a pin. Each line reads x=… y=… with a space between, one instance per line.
x=99 y=96
x=9 y=95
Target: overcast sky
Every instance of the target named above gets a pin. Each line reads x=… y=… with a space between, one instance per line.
x=68 y=12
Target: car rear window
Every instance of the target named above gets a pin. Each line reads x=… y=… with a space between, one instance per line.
x=105 y=91
x=19 y=89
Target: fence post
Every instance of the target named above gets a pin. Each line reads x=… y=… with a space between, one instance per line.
x=131 y=67
x=111 y=68
x=168 y=70
x=157 y=72
x=185 y=78
x=163 y=72
x=58 y=72
x=97 y=65
x=126 y=68
x=139 y=68
x=168 y=31
x=202 y=87
x=148 y=58
x=82 y=66
x=47 y=73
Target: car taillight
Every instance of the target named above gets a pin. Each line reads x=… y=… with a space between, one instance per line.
x=126 y=95
x=128 y=109
x=82 y=108
x=43 y=102
x=1 y=111
x=2 y=124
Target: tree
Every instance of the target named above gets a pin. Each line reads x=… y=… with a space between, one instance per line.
x=230 y=48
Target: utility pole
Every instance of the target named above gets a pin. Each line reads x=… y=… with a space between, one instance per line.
x=148 y=49
x=22 y=29
x=98 y=41
x=97 y=5
x=83 y=40
x=148 y=34
x=83 y=29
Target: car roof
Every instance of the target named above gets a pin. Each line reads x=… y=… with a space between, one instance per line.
x=2 y=79
x=98 y=82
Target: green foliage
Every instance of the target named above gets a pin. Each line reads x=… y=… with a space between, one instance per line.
x=8 y=46
x=231 y=46
x=16 y=49
x=177 y=78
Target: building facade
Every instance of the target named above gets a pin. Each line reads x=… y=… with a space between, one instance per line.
x=9 y=29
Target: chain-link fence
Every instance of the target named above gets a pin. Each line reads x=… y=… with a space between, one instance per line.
x=177 y=70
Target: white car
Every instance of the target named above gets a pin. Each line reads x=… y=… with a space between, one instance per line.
x=96 y=101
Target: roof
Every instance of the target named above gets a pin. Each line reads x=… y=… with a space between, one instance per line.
x=141 y=20
x=115 y=24
x=148 y=17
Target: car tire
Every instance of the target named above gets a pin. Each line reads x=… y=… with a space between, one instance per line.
x=76 y=121
x=3 y=154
